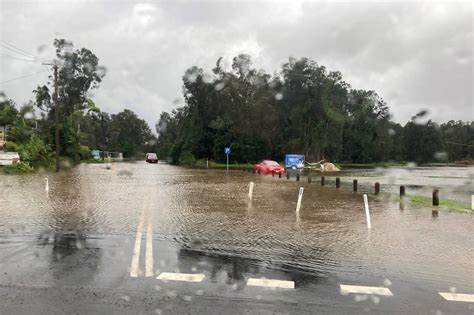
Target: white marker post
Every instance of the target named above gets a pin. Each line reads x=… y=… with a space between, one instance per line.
x=367 y=213
x=46 y=184
x=227 y=152
x=300 y=196
x=251 y=190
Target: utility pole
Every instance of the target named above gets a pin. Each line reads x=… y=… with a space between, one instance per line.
x=102 y=135
x=56 y=115
x=56 y=111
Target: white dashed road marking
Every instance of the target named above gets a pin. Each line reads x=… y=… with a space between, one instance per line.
x=271 y=283
x=189 y=277
x=346 y=289
x=149 y=250
x=136 y=249
x=458 y=297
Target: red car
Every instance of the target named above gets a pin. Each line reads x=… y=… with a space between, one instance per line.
x=151 y=158
x=267 y=166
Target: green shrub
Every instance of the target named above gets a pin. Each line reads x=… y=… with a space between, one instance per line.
x=18 y=168
x=187 y=158
x=84 y=152
x=34 y=152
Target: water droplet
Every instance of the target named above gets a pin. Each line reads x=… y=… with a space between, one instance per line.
x=441 y=156
x=360 y=297
x=187 y=298
x=219 y=86
x=207 y=78
x=375 y=299
x=171 y=294
x=126 y=298
x=387 y=282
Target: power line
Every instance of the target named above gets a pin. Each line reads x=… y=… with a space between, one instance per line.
x=17 y=58
x=24 y=76
x=20 y=51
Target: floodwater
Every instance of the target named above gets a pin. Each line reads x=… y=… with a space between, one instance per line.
x=455 y=183
x=209 y=212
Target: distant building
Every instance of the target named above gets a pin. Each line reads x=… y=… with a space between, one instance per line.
x=115 y=156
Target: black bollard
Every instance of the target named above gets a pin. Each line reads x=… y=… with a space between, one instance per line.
x=338 y=182
x=402 y=197
x=309 y=179
x=436 y=197
x=287 y=175
x=354 y=185
x=279 y=175
x=322 y=180
x=377 y=188
x=297 y=177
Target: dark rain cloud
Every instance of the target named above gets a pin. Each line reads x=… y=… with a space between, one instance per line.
x=417 y=55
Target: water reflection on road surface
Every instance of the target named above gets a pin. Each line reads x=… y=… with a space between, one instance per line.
x=208 y=216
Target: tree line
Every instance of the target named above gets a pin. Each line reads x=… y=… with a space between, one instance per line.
x=83 y=126
x=303 y=108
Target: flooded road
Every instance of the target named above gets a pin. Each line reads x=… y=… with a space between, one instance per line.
x=455 y=183
x=121 y=228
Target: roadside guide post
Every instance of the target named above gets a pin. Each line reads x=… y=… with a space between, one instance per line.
x=227 y=152
x=367 y=213
x=300 y=196
x=251 y=190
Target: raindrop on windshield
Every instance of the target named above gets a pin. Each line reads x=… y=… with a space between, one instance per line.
x=387 y=282
x=219 y=86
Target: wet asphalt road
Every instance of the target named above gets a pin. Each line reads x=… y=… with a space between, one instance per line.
x=97 y=240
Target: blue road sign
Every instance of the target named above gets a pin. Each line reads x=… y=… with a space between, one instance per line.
x=294 y=161
x=227 y=150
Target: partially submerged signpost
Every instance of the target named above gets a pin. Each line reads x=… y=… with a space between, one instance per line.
x=227 y=152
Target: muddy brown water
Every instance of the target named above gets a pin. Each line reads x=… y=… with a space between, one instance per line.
x=209 y=211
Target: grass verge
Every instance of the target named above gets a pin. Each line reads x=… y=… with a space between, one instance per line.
x=450 y=205
x=223 y=166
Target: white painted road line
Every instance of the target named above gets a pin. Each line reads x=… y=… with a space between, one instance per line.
x=271 y=283
x=189 y=277
x=346 y=289
x=149 y=250
x=136 y=249
x=458 y=297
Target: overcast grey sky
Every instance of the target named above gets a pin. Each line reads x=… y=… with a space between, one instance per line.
x=416 y=55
